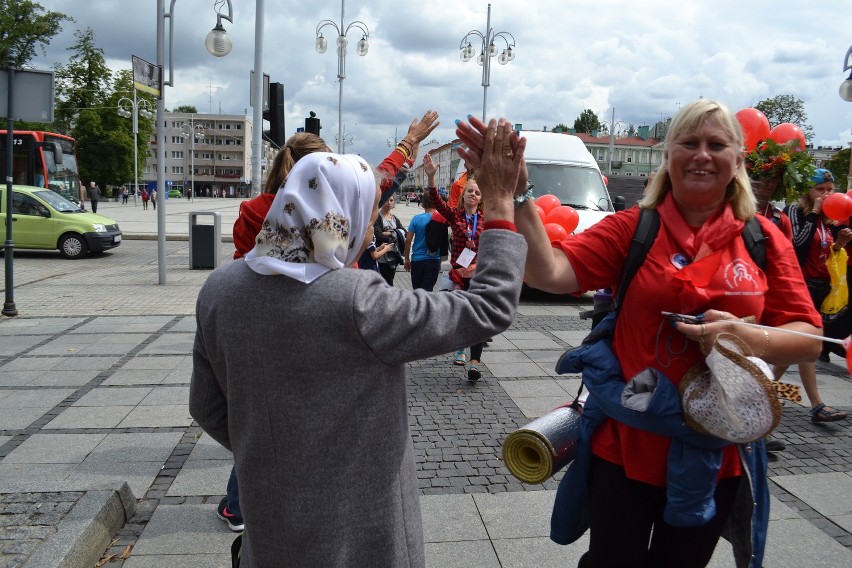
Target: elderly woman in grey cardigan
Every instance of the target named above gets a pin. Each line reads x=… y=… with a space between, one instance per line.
x=300 y=372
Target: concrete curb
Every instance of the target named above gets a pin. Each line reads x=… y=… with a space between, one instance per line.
x=86 y=530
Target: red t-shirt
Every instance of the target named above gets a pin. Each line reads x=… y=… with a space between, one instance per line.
x=814 y=266
x=643 y=338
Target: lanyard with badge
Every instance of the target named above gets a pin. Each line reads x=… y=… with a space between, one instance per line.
x=468 y=254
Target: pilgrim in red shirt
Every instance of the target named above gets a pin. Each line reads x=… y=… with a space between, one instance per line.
x=724 y=278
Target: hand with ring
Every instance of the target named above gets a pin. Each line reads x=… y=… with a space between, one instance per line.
x=713 y=322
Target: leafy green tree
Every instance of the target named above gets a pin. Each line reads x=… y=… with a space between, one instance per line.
x=186 y=108
x=104 y=150
x=560 y=128
x=587 y=122
x=84 y=83
x=786 y=108
x=839 y=166
x=24 y=25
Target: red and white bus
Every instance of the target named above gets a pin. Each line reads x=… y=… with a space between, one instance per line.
x=43 y=159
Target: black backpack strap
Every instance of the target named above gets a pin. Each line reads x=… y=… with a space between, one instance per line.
x=755 y=241
x=643 y=239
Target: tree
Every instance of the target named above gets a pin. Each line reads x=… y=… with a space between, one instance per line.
x=786 y=108
x=23 y=26
x=839 y=166
x=587 y=122
x=560 y=128
x=186 y=108
x=85 y=82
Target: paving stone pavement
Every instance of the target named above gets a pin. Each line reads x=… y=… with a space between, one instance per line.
x=93 y=392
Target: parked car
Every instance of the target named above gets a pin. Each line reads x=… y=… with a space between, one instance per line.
x=43 y=219
x=174 y=193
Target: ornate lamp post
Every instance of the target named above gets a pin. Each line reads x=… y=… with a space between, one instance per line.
x=190 y=132
x=846 y=95
x=137 y=107
x=488 y=50
x=362 y=48
x=342 y=140
x=217 y=46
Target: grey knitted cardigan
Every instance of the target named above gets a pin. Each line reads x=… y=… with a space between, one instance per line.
x=306 y=385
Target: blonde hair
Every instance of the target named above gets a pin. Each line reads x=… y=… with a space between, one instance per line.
x=297 y=147
x=460 y=204
x=739 y=193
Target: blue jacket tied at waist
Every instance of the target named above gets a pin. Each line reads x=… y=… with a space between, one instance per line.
x=651 y=402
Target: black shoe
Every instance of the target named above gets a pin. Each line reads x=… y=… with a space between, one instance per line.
x=775 y=445
x=234 y=522
x=824 y=357
x=473 y=373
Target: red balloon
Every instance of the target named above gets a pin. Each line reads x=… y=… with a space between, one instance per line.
x=837 y=206
x=541 y=214
x=548 y=202
x=555 y=232
x=606 y=180
x=564 y=216
x=848 y=355
x=786 y=132
x=755 y=127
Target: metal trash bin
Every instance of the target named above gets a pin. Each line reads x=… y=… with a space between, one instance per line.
x=205 y=241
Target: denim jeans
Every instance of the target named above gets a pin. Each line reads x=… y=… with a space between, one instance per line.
x=233 y=492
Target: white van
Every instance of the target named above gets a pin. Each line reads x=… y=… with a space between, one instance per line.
x=561 y=165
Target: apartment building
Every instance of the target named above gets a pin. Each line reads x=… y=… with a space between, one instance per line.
x=216 y=163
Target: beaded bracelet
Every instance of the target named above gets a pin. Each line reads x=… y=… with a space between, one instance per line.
x=765 y=344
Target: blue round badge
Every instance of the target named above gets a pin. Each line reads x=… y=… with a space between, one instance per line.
x=680 y=260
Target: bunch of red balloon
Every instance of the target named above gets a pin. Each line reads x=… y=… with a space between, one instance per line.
x=559 y=220
x=755 y=127
x=837 y=206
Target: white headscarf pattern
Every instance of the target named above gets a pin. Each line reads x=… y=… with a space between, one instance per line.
x=318 y=219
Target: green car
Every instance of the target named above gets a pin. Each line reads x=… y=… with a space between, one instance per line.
x=174 y=193
x=43 y=219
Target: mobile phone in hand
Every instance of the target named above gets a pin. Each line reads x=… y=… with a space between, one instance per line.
x=683 y=318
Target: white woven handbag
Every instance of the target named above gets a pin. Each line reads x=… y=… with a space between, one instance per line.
x=731 y=396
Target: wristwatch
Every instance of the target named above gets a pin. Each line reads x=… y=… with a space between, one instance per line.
x=521 y=199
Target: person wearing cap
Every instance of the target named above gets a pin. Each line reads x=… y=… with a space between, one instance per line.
x=813 y=235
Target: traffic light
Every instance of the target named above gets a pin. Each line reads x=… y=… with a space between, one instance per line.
x=275 y=115
x=312 y=124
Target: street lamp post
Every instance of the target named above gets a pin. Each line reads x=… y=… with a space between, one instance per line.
x=489 y=50
x=134 y=113
x=190 y=132
x=362 y=48
x=846 y=95
x=218 y=44
x=342 y=140
x=392 y=142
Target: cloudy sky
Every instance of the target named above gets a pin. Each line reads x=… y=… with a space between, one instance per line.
x=644 y=58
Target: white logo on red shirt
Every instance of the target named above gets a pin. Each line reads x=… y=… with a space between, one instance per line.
x=739 y=274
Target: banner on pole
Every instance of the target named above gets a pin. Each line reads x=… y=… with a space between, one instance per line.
x=147 y=77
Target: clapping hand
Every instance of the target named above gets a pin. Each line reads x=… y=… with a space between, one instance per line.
x=420 y=129
x=497 y=154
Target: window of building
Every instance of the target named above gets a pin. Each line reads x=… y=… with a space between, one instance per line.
x=177 y=169
x=178 y=155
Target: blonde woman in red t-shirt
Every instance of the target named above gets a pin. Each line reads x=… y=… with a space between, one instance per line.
x=698 y=265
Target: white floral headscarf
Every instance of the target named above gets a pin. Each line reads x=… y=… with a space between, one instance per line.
x=318 y=219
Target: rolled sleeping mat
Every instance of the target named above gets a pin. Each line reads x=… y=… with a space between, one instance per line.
x=544 y=446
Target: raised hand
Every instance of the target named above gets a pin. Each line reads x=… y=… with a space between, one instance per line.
x=498 y=167
x=420 y=129
x=429 y=167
